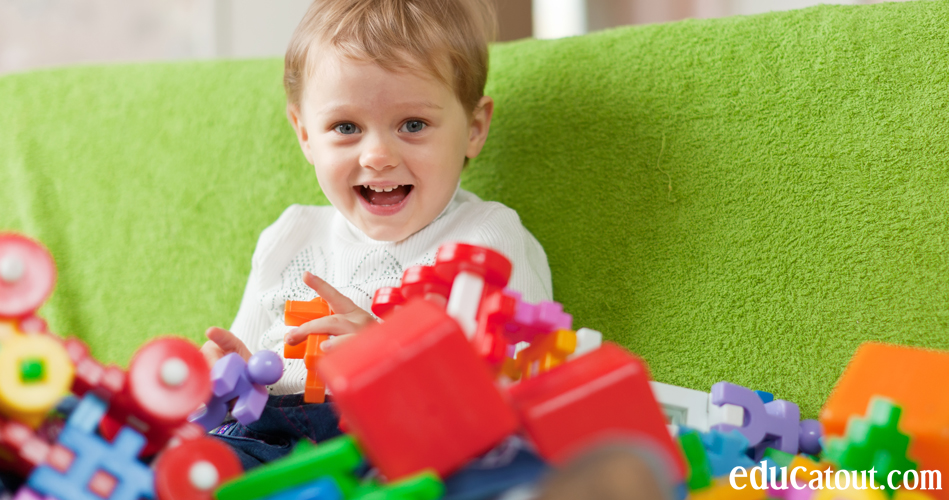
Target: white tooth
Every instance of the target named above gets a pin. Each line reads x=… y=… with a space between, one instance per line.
x=387 y=189
x=365 y=186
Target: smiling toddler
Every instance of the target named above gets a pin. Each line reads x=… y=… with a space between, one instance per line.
x=387 y=101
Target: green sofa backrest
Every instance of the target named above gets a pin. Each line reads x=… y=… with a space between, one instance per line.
x=744 y=199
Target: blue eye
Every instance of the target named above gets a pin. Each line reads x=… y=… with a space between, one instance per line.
x=347 y=128
x=413 y=126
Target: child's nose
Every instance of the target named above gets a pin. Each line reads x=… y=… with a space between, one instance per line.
x=379 y=153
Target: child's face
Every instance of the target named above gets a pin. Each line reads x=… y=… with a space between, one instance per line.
x=388 y=147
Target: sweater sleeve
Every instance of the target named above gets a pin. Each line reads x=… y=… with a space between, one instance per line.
x=502 y=230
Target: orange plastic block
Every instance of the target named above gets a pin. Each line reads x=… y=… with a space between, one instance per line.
x=915 y=379
x=544 y=353
x=722 y=490
x=296 y=313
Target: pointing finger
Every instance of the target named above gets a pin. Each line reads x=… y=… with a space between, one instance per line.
x=339 y=303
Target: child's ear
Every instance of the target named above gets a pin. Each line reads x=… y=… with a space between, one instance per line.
x=296 y=120
x=479 y=125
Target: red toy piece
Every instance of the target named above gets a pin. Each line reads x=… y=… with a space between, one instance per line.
x=474 y=272
x=27 y=275
x=21 y=449
x=386 y=300
x=489 y=341
x=603 y=396
x=415 y=394
x=194 y=469
x=168 y=379
x=423 y=282
x=296 y=313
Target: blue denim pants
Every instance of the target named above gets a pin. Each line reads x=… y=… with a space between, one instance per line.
x=284 y=421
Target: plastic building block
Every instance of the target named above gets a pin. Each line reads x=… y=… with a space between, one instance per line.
x=811 y=432
x=545 y=352
x=766 y=397
x=489 y=341
x=693 y=409
x=722 y=490
x=25 y=397
x=775 y=424
x=587 y=341
x=725 y=451
x=850 y=493
x=297 y=313
x=233 y=378
x=386 y=300
x=194 y=469
x=425 y=485
x=21 y=449
x=801 y=477
x=913 y=379
x=700 y=472
x=601 y=396
x=531 y=320
x=474 y=272
x=167 y=379
x=324 y=488
x=418 y=369
x=307 y=462
x=423 y=282
x=27 y=275
x=94 y=461
x=874 y=441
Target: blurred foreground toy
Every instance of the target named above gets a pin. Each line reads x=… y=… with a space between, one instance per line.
x=296 y=313
x=474 y=273
x=233 y=378
x=27 y=276
x=35 y=372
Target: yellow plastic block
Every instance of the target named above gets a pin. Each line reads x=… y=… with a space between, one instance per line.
x=849 y=494
x=722 y=490
x=27 y=400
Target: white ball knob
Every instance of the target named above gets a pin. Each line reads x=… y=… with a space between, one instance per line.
x=203 y=475
x=174 y=372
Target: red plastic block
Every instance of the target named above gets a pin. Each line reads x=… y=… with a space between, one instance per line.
x=194 y=469
x=386 y=300
x=415 y=394
x=603 y=396
x=21 y=449
x=423 y=282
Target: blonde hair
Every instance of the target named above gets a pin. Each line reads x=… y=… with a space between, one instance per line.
x=446 y=38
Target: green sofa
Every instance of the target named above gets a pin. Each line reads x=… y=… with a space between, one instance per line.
x=744 y=199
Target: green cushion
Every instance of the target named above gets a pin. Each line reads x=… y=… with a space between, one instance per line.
x=743 y=199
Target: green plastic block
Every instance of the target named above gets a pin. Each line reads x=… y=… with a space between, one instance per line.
x=873 y=441
x=425 y=485
x=307 y=462
x=32 y=370
x=779 y=457
x=700 y=471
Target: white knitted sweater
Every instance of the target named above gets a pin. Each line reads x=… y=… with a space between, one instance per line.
x=320 y=240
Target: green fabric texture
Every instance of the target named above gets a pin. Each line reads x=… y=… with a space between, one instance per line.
x=744 y=199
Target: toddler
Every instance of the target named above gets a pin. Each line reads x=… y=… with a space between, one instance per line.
x=387 y=101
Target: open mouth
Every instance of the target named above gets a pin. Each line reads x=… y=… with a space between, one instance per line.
x=383 y=197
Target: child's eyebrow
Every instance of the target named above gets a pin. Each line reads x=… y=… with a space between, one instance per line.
x=343 y=107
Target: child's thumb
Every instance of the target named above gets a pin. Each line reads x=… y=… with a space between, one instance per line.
x=227 y=341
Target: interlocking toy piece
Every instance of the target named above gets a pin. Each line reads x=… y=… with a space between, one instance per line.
x=336 y=458
x=488 y=341
x=693 y=409
x=849 y=493
x=324 y=488
x=914 y=379
x=98 y=469
x=722 y=490
x=725 y=451
x=193 y=469
x=232 y=378
x=874 y=441
x=775 y=424
x=90 y=375
x=386 y=300
x=21 y=449
x=425 y=485
x=27 y=275
x=423 y=282
x=700 y=471
x=418 y=369
x=604 y=395
x=475 y=273
x=29 y=395
x=588 y=340
x=547 y=351
x=811 y=432
x=167 y=380
x=801 y=476
x=296 y=313
x=531 y=320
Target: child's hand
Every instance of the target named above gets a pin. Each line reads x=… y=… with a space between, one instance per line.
x=347 y=319
x=221 y=343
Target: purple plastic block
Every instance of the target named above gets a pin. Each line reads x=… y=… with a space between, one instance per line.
x=811 y=433
x=792 y=494
x=777 y=421
x=531 y=320
x=233 y=378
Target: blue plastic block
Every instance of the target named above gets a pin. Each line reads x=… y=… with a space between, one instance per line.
x=725 y=451
x=766 y=397
x=324 y=488
x=134 y=480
